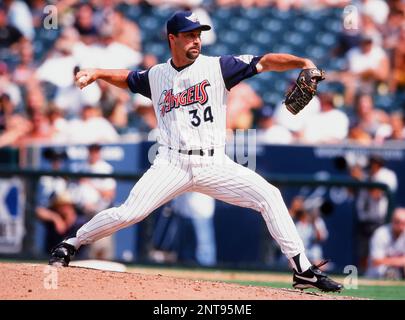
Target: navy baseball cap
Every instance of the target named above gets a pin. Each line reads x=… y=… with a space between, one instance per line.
x=184 y=21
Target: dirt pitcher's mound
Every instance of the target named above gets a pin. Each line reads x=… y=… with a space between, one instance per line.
x=34 y=281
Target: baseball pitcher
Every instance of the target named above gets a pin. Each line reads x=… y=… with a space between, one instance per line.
x=188 y=94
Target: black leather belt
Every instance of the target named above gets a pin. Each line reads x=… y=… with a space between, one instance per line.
x=199 y=152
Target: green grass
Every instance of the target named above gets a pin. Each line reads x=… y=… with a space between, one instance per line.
x=379 y=292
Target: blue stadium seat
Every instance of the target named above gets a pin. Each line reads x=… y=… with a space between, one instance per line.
x=159 y=49
x=336 y=63
x=272 y=25
x=149 y=24
x=335 y=26
x=255 y=13
x=304 y=25
x=162 y=14
x=262 y=37
x=240 y=24
x=133 y=12
x=284 y=15
x=230 y=36
x=218 y=49
x=282 y=48
x=272 y=98
x=326 y=39
x=252 y=49
x=316 y=52
x=294 y=38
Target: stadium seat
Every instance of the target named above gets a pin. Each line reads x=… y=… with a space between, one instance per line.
x=263 y=38
x=252 y=49
x=294 y=38
x=255 y=13
x=304 y=26
x=222 y=14
x=230 y=36
x=241 y=25
x=327 y=39
x=316 y=52
x=133 y=12
x=272 y=25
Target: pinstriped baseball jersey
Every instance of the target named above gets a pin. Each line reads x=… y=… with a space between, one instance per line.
x=190 y=108
x=190 y=103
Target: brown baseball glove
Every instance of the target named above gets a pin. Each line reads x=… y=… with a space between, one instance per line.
x=303 y=90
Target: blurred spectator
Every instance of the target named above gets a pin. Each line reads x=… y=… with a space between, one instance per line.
x=60 y=218
x=84 y=23
x=199 y=209
x=49 y=185
x=387 y=249
x=378 y=10
x=35 y=97
x=358 y=135
x=367 y=66
x=24 y=72
x=40 y=129
x=93 y=195
x=57 y=121
x=391 y=30
x=397 y=122
x=371 y=205
x=311 y=228
x=115 y=103
x=148 y=61
x=12 y=124
x=37 y=11
x=91 y=128
x=296 y=123
x=241 y=100
x=328 y=126
x=55 y=205
x=100 y=192
x=397 y=81
x=8 y=87
x=369 y=119
x=285 y=5
x=113 y=54
x=20 y=16
x=124 y=31
x=269 y=131
x=71 y=98
x=10 y=36
x=60 y=62
x=142 y=117
x=348 y=39
x=369 y=29
x=394 y=130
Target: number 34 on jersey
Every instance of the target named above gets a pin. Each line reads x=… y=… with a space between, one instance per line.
x=193 y=95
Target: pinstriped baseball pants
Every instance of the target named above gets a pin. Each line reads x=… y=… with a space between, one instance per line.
x=218 y=176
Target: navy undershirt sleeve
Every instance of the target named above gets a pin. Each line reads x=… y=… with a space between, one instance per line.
x=237 y=68
x=138 y=82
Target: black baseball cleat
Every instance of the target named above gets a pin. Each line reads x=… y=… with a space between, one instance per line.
x=315 y=278
x=61 y=254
